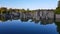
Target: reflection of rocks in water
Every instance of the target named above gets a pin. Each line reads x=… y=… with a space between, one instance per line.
x=44 y=21
x=24 y=19
x=34 y=20
x=7 y=16
x=58 y=26
x=2 y=18
x=16 y=18
x=57 y=22
x=57 y=19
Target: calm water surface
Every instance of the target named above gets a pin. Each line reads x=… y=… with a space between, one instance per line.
x=29 y=27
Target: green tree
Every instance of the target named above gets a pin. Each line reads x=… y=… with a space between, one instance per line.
x=57 y=11
x=3 y=10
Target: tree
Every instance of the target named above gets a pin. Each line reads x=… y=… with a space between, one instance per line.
x=3 y=10
x=57 y=11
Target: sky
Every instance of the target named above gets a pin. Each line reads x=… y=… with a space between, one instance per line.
x=31 y=4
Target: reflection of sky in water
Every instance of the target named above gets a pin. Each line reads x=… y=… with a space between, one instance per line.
x=17 y=26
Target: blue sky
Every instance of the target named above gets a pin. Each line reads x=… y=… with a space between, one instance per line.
x=31 y=4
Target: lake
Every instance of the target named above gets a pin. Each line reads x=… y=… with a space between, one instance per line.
x=25 y=24
x=18 y=26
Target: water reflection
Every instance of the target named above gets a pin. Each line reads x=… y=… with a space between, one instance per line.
x=58 y=25
x=24 y=19
x=46 y=22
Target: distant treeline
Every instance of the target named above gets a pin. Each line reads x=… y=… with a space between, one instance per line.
x=4 y=10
